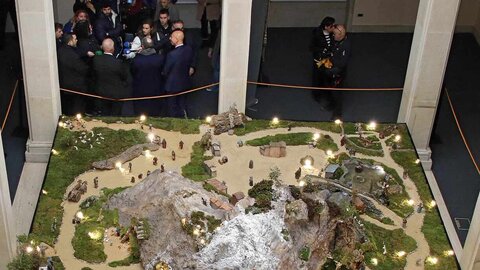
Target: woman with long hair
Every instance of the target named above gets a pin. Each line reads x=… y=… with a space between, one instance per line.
x=145 y=30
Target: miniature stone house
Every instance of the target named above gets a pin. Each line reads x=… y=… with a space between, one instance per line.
x=274 y=149
x=237 y=196
x=217 y=185
x=210 y=169
x=330 y=170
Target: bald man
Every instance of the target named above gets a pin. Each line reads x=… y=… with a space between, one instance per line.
x=112 y=78
x=332 y=76
x=176 y=72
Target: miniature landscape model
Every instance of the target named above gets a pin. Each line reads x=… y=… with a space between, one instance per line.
x=233 y=193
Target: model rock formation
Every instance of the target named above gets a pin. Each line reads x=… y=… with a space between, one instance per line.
x=125 y=156
x=269 y=240
x=228 y=120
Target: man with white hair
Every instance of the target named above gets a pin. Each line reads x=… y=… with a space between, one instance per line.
x=112 y=78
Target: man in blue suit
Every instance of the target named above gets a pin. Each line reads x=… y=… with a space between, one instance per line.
x=147 y=78
x=176 y=71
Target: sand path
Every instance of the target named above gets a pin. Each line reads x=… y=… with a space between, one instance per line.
x=236 y=175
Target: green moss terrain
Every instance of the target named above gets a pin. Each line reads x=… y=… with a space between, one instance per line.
x=92 y=250
x=394 y=241
x=69 y=163
x=432 y=228
x=301 y=138
x=354 y=143
x=194 y=169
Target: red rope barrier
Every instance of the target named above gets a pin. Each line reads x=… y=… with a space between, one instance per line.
x=139 y=98
x=461 y=132
x=324 y=88
x=10 y=105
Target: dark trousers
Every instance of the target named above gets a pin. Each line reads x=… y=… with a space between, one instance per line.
x=330 y=100
x=213 y=29
x=6 y=6
x=176 y=106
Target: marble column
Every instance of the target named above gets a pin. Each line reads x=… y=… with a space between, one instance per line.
x=426 y=68
x=7 y=229
x=40 y=76
x=236 y=20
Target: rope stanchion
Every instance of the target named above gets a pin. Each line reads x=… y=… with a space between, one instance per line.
x=139 y=98
x=10 y=105
x=461 y=132
x=325 y=88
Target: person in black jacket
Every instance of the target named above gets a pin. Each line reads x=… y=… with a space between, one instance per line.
x=163 y=29
x=190 y=40
x=87 y=45
x=332 y=77
x=112 y=79
x=108 y=25
x=321 y=45
x=72 y=74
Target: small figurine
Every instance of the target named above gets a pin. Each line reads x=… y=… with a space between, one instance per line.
x=204 y=201
x=343 y=141
x=129 y=167
x=132 y=180
x=405 y=174
x=148 y=173
x=150 y=127
x=298 y=173
x=173 y=155
x=180 y=145
x=420 y=207
x=164 y=144
x=223 y=160
x=404 y=223
x=95 y=182
x=250 y=181
x=289 y=127
x=240 y=143
x=250 y=164
x=140 y=176
x=141 y=126
x=155 y=161
x=162 y=168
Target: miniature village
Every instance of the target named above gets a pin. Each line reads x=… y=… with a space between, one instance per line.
x=230 y=192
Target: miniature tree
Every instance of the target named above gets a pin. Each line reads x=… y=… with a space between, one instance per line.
x=274 y=175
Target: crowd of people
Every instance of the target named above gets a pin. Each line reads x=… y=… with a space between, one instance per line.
x=331 y=49
x=131 y=48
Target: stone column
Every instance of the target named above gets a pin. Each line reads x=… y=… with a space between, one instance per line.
x=236 y=19
x=426 y=67
x=40 y=76
x=7 y=229
x=470 y=259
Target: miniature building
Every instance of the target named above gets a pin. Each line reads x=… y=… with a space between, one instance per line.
x=210 y=169
x=330 y=170
x=274 y=149
x=218 y=204
x=78 y=190
x=216 y=148
x=217 y=185
x=359 y=204
x=237 y=196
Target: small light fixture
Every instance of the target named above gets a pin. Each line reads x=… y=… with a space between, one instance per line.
x=301 y=183
x=29 y=249
x=397 y=138
x=316 y=136
x=79 y=215
x=338 y=121
x=374 y=261
x=78 y=116
x=208 y=119
x=372 y=125
x=432 y=260
x=143 y=118
x=275 y=121
x=151 y=137
x=401 y=253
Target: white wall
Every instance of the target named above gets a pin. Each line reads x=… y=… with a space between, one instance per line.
x=305 y=14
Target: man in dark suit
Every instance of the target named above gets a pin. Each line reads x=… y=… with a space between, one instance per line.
x=72 y=73
x=190 y=40
x=108 y=25
x=176 y=71
x=112 y=79
x=147 y=78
